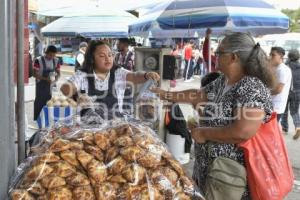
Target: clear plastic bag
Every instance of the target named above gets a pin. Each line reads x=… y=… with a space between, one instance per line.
x=148 y=106
x=115 y=160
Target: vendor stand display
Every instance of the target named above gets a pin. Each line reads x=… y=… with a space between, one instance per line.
x=117 y=160
x=58 y=109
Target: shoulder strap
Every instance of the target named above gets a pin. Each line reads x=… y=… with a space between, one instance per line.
x=54 y=65
x=117 y=58
x=128 y=57
x=44 y=62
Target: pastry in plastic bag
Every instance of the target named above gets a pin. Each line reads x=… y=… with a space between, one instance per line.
x=187 y=184
x=87 y=137
x=38 y=172
x=70 y=157
x=113 y=162
x=48 y=157
x=61 y=193
x=63 y=169
x=60 y=145
x=143 y=140
x=130 y=192
x=78 y=179
x=150 y=160
x=166 y=172
x=83 y=193
x=97 y=170
x=134 y=174
x=117 y=179
x=123 y=141
x=150 y=192
x=21 y=195
x=163 y=184
x=111 y=153
x=117 y=165
x=95 y=151
x=106 y=191
x=102 y=140
x=43 y=197
x=181 y=196
x=84 y=158
x=52 y=181
x=112 y=134
x=33 y=187
x=123 y=130
x=132 y=153
x=76 y=145
x=176 y=166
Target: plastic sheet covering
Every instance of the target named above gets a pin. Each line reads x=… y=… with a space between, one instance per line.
x=147 y=106
x=116 y=160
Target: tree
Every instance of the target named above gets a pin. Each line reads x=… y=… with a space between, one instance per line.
x=294 y=16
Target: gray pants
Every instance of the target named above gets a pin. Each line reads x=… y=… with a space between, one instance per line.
x=293 y=106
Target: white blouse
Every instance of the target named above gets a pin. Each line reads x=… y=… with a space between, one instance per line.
x=79 y=79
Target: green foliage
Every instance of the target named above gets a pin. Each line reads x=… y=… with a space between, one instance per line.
x=294 y=16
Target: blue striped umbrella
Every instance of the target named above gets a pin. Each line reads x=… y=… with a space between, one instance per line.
x=91 y=24
x=188 y=18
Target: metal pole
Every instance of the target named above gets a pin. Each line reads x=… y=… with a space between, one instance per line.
x=7 y=146
x=20 y=81
x=209 y=54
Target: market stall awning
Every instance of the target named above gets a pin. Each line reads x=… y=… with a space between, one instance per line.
x=186 y=17
x=106 y=23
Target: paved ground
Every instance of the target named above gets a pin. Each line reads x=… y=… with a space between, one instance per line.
x=293 y=146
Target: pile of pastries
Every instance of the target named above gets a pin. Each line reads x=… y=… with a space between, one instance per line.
x=121 y=163
x=61 y=101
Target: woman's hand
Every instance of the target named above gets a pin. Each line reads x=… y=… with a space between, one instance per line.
x=152 y=75
x=198 y=136
x=163 y=95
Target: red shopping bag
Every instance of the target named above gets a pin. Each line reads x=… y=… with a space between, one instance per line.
x=269 y=172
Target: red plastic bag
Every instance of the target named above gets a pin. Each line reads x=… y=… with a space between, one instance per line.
x=269 y=172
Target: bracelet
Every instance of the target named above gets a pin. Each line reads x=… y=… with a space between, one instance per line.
x=145 y=75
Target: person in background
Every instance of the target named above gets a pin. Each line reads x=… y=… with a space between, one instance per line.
x=205 y=52
x=281 y=90
x=124 y=57
x=188 y=57
x=294 y=95
x=197 y=60
x=79 y=55
x=243 y=87
x=107 y=82
x=46 y=73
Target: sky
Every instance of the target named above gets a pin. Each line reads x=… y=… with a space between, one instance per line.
x=291 y=4
x=121 y=4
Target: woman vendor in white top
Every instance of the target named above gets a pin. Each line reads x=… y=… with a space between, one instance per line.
x=104 y=82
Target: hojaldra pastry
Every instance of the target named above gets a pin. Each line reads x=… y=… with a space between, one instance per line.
x=70 y=157
x=60 y=145
x=95 y=151
x=124 y=162
x=83 y=192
